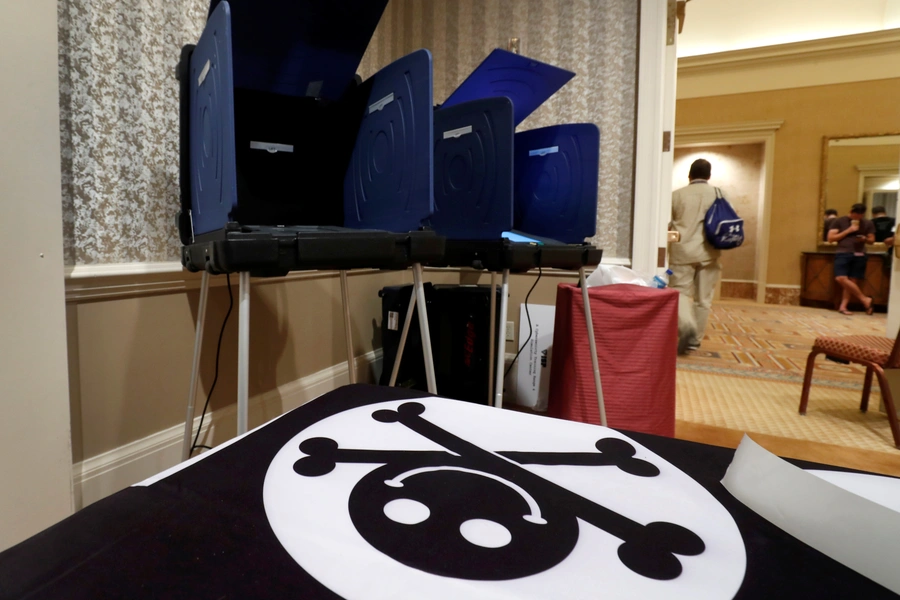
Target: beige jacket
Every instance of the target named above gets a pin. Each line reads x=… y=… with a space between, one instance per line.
x=689 y=206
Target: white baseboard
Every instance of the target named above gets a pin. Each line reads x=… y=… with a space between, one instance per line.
x=107 y=473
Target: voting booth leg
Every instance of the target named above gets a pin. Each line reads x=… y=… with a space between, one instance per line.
x=407 y=323
x=501 y=347
x=423 y=328
x=492 y=344
x=243 y=374
x=590 y=331
x=195 y=368
x=348 y=335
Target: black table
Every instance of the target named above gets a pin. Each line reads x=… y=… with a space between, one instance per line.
x=230 y=524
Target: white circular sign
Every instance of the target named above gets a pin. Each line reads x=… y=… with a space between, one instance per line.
x=435 y=498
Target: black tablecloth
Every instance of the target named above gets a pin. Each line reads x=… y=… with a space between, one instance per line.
x=203 y=532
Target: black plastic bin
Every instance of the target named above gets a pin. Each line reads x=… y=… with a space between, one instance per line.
x=459 y=320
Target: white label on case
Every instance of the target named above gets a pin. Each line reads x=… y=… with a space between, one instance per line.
x=381 y=103
x=544 y=151
x=204 y=73
x=271 y=148
x=455 y=133
x=393 y=321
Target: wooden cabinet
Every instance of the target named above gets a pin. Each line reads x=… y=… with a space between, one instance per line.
x=818 y=287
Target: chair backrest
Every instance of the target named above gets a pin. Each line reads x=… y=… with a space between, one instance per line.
x=894 y=359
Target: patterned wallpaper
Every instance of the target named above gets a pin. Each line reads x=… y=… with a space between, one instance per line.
x=119 y=110
x=597 y=39
x=119 y=126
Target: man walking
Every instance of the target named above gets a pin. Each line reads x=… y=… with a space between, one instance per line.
x=694 y=262
x=852 y=233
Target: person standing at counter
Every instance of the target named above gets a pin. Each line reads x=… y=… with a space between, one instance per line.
x=852 y=233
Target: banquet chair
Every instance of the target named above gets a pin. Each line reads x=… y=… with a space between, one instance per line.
x=875 y=352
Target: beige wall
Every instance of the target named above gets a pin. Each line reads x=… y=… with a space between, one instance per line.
x=808 y=114
x=737 y=171
x=35 y=467
x=130 y=357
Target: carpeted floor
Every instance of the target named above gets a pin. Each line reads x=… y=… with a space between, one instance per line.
x=749 y=372
x=772 y=342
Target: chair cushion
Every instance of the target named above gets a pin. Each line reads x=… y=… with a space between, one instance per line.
x=871 y=348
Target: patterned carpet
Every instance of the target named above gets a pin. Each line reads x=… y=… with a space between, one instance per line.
x=773 y=342
x=749 y=373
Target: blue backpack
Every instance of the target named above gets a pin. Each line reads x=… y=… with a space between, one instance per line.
x=723 y=227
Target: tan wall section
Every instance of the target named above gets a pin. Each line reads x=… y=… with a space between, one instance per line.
x=737 y=171
x=130 y=358
x=808 y=113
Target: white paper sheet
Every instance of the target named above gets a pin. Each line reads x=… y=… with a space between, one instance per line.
x=858 y=533
x=312 y=518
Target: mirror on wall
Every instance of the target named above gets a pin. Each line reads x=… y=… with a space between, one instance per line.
x=860 y=168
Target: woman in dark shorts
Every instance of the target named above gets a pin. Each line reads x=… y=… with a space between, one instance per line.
x=852 y=233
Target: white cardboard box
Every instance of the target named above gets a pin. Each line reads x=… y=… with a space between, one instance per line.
x=533 y=367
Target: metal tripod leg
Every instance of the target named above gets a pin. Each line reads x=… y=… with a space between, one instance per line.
x=243 y=374
x=594 y=362
x=348 y=335
x=493 y=342
x=501 y=347
x=195 y=368
x=423 y=328
x=407 y=323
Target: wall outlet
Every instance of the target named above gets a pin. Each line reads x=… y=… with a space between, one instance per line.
x=510 y=331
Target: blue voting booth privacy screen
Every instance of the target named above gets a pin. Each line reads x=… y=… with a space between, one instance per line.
x=214 y=180
x=473 y=183
x=389 y=182
x=275 y=108
x=556 y=174
x=525 y=81
x=300 y=48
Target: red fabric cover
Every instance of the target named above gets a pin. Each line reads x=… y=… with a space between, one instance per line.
x=636 y=330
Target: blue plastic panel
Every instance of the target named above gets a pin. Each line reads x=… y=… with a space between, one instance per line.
x=212 y=162
x=527 y=82
x=556 y=179
x=473 y=169
x=389 y=183
x=301 y=47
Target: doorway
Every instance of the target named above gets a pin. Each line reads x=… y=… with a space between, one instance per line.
x=737 y=170
x=731 y=142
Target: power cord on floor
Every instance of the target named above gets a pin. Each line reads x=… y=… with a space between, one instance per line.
x=212 y=388
x=530 y=328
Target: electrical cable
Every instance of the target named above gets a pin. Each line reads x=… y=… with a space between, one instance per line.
x=530 y=328
x=212 y=388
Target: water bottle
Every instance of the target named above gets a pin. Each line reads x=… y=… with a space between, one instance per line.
x=660 y=282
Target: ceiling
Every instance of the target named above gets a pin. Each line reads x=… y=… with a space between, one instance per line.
x=722 y=25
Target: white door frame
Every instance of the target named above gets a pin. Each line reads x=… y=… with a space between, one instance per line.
x=35 y=431
x=753 y=132
x=655 y=115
